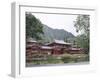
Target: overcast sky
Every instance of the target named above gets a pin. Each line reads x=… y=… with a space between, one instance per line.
x=58 y=21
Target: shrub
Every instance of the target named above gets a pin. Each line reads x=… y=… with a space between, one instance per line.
x=53 y=60
x=67 y=59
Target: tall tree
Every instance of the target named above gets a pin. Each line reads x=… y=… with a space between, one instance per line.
x=82 y=26
x=34 y=27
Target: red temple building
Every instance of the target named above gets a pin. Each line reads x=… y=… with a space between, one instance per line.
x=57 y=47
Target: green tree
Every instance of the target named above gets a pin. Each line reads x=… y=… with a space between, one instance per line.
x=34 y=27
x=82 y=26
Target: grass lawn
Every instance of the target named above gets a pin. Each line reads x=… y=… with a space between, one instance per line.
x=63 y=58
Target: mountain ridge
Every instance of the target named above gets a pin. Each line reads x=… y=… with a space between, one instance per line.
x=60 y=34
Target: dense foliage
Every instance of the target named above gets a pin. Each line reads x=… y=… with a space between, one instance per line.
x=34 y=27
x=82 y=26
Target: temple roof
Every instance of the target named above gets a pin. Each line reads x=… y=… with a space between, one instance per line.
x=75 y=48
x=31 y=40
x=61 y=42
x=46 y=47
